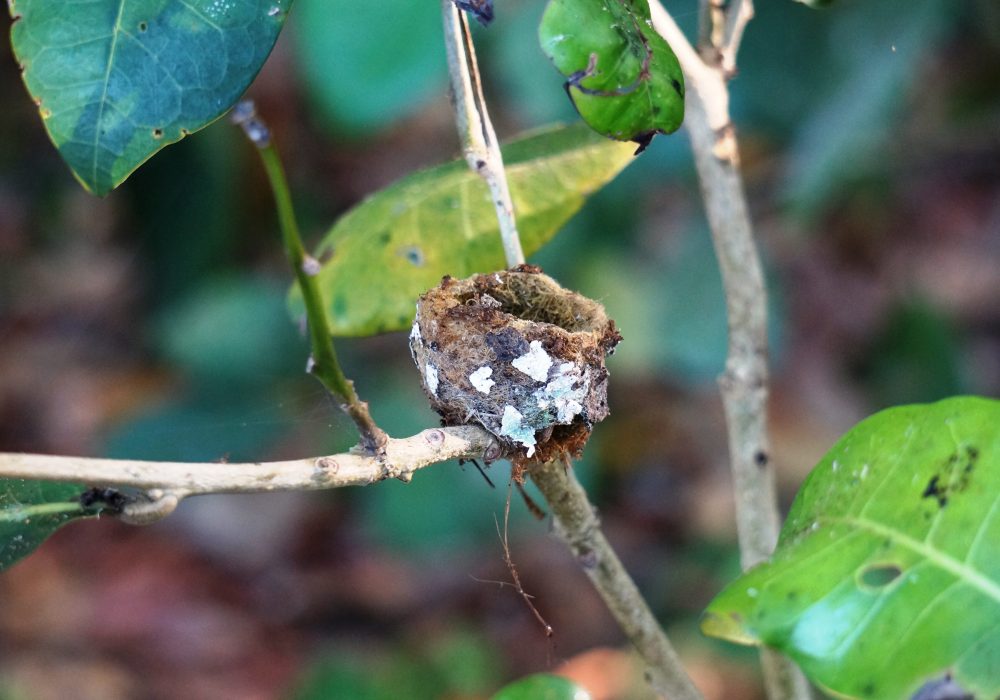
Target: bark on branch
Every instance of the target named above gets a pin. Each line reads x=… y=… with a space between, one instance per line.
x=744 y=384
x=403 y=457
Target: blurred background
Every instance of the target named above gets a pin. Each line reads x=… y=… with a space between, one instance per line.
x=152 y=324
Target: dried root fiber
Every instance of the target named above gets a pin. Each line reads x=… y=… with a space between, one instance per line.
x=517 y=354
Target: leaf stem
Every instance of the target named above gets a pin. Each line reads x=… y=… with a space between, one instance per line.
x=479 y=140
x=323 y=362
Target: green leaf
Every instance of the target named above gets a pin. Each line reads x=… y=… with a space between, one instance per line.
x=356 y=82
x=117 y=80
x=887 y=573
x=398 y=243
x=30 y=511
x=622 y=76
x=542 y=686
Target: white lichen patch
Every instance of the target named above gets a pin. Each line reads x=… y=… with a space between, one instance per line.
x=564 y=393
x=415 y=332
x=535 y=363
x=481 y=379
x=431 y=379
x=512 y=426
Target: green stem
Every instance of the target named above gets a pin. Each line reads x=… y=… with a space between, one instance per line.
x=323 y=363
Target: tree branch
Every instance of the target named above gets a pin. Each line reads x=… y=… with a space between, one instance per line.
x=479 y=140
x=577 y=523
x=744 y=383
x=403 y=457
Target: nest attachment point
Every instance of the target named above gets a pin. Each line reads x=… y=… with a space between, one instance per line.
x=517 y=354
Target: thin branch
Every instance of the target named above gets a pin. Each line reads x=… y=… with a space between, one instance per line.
x=744 y=384
x=479 y=140
x=720 y=31
x=323 y=362
x=738 y=15
x=576 y=522
x=403 y=457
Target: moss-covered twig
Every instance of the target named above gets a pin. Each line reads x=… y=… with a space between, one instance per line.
x=323 y=363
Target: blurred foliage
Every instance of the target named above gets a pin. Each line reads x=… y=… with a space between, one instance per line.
x=457 y=664
x=915 y=357
x=371 y=64
x=542 y=686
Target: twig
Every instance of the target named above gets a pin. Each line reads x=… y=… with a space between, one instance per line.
x=576 y=522
x=323 y=363
x=402 y=457
x=514 y=576
x=744 y=383
x=479 y=140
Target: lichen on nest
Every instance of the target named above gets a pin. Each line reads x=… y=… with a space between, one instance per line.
x=519 y=355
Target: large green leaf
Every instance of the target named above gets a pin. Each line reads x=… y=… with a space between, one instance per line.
x=622 y=76
x=30 y=511
x=398 y=243
x=542 y=686
x=887 y=573
x=117 y=80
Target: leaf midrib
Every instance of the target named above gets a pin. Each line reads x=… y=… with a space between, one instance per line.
x=115 y=33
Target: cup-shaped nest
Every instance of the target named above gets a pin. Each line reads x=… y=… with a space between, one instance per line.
x=517 y=354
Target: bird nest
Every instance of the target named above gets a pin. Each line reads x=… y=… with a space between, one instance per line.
x=517 y=354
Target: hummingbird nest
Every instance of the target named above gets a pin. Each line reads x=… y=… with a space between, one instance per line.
x=517 y=354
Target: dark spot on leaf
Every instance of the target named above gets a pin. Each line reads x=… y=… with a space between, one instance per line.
x=792 y=596
x=414 y=255
x=143 y=26
x=157 y=133
x=868 y=690
x=677 y=86
x=339 y=306
x=936 y=491
x=384 y=238
x=760 y=458
x=880 y=575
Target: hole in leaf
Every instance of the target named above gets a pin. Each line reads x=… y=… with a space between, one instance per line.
x=880 y=575
x=157 y=133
